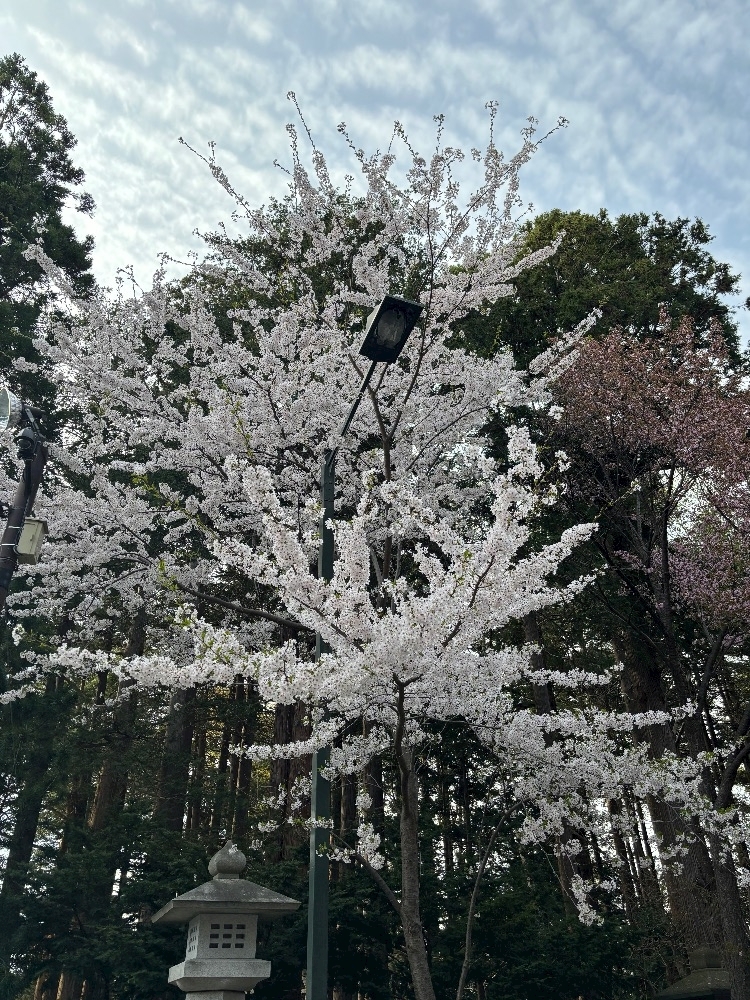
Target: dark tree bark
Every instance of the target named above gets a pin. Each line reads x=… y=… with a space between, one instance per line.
x=174 y=772
x=290 y=725
x=691 y=889
x=195 y=792
x=625 y=872
x=27 y=808
x=245 y=770
x=411 y=921
x=222 y=776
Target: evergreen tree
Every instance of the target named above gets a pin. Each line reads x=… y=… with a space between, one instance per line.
x=38 y=180
x=625 y=267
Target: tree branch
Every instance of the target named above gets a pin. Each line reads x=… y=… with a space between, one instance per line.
x=708 y=672
x=389 y=894
x=724 y=795
x=241 y=610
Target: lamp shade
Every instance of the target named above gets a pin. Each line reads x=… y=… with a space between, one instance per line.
x=11 y=409
x=388 y=327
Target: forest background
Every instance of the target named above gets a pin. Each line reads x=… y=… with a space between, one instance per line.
x=113 y=805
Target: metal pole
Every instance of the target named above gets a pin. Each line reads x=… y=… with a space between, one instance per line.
x=23 y=502
x=320 y=791
x=320 y=805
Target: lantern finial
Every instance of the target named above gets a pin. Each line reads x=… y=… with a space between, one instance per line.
x=229 y=862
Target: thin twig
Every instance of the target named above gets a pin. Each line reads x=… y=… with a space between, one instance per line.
x=474 y=896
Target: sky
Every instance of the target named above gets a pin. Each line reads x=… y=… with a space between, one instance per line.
x=655 y=92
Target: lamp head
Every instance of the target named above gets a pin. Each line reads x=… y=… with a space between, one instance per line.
x=388 y=327
x=11 y=410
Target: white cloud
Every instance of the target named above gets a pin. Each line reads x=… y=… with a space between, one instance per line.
x=252 y=25
x=114 y=32
x=653 y=91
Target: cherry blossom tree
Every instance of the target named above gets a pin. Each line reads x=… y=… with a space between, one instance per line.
x=190 y=470
x=656 y=433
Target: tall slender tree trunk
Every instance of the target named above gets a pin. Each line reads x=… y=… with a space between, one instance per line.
x=649 y=883
x=235 y=756
x=446 y=823
x=245 y=770
x=27 y=808
x=174 y=772
x=195 y=791
x=221 y=791
x=411 y=921
x=625 y=872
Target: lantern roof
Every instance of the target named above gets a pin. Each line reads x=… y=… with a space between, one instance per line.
x=226 y=893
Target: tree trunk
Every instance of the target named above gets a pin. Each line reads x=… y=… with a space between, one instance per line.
x=691 y=889
x=373 y=783
x=446 y=824
x=411 y=921
x=648 y=881
x=234 y=756
x=169 y=809
x=220 y=792
x=289 y=726
x=113 y=780
x=245 y=772
x=348 y=808
x=28 y=807
x=736 y=942
x=195 y=793
x=70 y=986
x=626 y=875
x=46 y=986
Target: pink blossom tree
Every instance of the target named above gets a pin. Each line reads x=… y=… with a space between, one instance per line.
x=656 y=435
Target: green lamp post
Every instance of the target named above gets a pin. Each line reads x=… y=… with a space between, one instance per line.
x=386 y=332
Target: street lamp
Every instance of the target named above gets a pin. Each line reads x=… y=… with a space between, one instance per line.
x=386 y=331
x=23 y=536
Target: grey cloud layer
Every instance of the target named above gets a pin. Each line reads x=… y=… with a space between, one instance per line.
x=653 y=92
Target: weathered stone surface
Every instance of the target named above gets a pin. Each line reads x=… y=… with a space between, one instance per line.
x=707 y=981
x=229 y=862
x=223 y=916
x=216 y=995
x=218 y=974
x=222 y=895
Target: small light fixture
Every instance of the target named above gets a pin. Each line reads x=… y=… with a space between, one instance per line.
x=11 y=410
x=388 y=327
x=30 y=543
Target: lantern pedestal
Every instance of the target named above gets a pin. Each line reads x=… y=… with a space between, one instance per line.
x=215 y=995
x=218 y=976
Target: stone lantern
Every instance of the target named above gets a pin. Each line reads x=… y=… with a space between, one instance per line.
x=222 y=917
x=707 y=980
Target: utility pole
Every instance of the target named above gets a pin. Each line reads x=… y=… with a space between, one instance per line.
x=32 y=449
